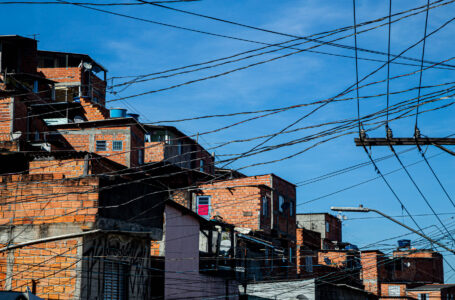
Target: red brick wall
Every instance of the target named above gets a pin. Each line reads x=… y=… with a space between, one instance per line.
x=337 y=258
x=306 y=242
x=5 y=119
x=422 y=266
x=370 y=272
x=127 y=157
x=62 y=74
x=52 y=265
x=385 y=290
x=154 y=151
x=74 y=74
x=284 y=222
x=120 y=157
x=93 y=111
x=240 y=206
x=68 y=167
x=224 y=190
x=46 y=198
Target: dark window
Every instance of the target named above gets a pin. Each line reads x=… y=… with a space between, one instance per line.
x=117 y=145
x=424 y=297
x=398 y=265
x=281 y=203
x=115 y=280
x=140 y=159
x=265 y=206
x=101 y=146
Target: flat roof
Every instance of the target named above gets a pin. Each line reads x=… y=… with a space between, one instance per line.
x=14 y=37
x=432 y=287
x=273 y=174
x=317 y=213
x=81 y=55
x=111 y=121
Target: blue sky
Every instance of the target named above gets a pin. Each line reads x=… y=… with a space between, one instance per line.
x=128 y=47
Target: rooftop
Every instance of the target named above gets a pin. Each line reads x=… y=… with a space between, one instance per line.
x=432 y=287
x=100 y=123
x=81 y=56
x=14 y=37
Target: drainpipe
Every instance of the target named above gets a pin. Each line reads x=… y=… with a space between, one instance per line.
x=272 y=198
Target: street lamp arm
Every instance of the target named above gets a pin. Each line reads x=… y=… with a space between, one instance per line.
x=365 y=209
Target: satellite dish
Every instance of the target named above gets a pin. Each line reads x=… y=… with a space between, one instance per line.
x=87 y=65
x=78 y=119
x=16 y=135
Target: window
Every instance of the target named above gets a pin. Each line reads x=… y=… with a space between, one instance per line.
x=101 y=146
x=265 y=206
x=394 y=290
x=115 y=281
x=423 y=297
x=291 y=208
x=201 y=166
x=179 y=147
x=203 y=206
x=53 y=93
x=327 y=227
x=280 y=203
x=309 y=264
x=117 y=145
x=140 y=156
x=290 y=255
x=35 y=86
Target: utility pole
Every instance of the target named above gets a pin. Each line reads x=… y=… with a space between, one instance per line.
x=365 y=210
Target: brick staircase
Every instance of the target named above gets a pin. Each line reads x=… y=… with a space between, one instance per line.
x=94 y=111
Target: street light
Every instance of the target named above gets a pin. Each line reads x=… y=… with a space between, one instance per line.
x=365 y=209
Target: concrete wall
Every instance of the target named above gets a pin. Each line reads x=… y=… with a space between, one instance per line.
x=317 y=222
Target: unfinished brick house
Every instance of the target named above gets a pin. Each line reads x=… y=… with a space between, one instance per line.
x=76 y=76
x=326 y=224
x=168 y=144
x=263 y=209
x=78 y=238
x=407 y=268
x=84 y=211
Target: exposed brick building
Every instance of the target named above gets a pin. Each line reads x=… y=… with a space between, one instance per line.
x=66 y=225
x=404 y=270
x=168 y=144
x=264 y=207
x=326 y=224
x=86 y=218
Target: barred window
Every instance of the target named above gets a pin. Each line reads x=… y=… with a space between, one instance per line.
x=101 y=146
x=115 y=280
x=117 y=145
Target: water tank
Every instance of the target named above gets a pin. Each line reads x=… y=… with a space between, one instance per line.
x=118 y=112
x=404 y=243
x=351 y=247
x=135 y=116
